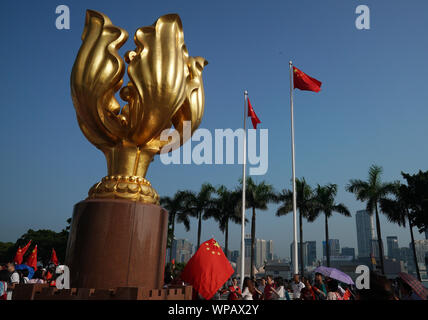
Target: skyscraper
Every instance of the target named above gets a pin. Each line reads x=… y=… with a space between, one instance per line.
x=348 y=252
x=365 y=233
x=312 y=252
x=269 y=250
x=305 y=253
x=421 y=247
x=334 y=248
x=392 y=245
x=182 y=250
x=263 y=250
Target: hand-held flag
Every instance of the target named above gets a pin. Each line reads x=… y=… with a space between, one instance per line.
x=304 y=82
x=20 y=253
x=32 y=259
x=254 y=119
x=18 y=256
x=208 y=269
x=54 y=258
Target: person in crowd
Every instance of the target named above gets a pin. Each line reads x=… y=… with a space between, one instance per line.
x=279 y=293
x=234 y=291
x=261 y=284
x=319 y=287
x=269 y=288
x=248 y=289
x=296 y=286
x=4 y=279
x=407 y=292
x=307 y=293
x=380 y=289
x=14 y=277
x=38 y=277
x=333 y=290
x=24 y=274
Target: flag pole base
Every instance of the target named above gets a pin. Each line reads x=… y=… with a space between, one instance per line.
x=117 y=243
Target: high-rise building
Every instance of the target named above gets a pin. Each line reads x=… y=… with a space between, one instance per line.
x=312 y=252
x=392 y=245
x=406 y=255
x=348 y=252
x=247 y=242
x=421 y=248
x=365 y=233
x=334 y=248
x=263 y=250
x=234 y=255
x=375 y=248
x=269 y=250
x=305 y=253
x=182 y=250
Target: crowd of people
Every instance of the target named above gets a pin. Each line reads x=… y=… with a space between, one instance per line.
x=269 y=288
x=10 y=276
x=319 y=288
x=265 y=288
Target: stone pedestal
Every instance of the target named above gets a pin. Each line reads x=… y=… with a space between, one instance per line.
x=117 y=243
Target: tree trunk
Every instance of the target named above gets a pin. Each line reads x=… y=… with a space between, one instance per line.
x=414 y=251
x=172 y=229
x=226 y=239
x=253 y=238
x=327 y=240
x=199 y=230
x=379 y=239
x=302 y=266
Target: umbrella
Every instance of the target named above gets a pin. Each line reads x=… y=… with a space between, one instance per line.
x=24 y=266
x=334 y=274
x=415 y=284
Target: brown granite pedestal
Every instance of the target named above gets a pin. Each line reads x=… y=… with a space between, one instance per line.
x=117 y=243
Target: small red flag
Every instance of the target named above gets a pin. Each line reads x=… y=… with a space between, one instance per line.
x=304 y=82
x=208 y=269
x=254 y=119
x=32 y=259
x=20 y=253
x=18 y=256
x=54 y=258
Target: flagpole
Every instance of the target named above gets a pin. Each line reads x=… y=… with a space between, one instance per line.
x=295 y=254
x=243 y=191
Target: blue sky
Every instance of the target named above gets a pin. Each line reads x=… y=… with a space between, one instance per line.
x=372 y=107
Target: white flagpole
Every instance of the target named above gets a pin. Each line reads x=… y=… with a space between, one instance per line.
x=243 y=191
x=295 y=253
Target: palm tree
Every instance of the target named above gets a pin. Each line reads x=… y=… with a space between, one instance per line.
x=398 y=210
x=372 y=191
x=174 y=206
x=195 y=204
x=223 y=209
x=324 y=202
x=305 y=205
x=257 y=196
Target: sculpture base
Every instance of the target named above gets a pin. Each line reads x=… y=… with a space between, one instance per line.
x=117 y=243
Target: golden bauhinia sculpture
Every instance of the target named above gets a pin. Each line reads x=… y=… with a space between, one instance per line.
x=165 y=89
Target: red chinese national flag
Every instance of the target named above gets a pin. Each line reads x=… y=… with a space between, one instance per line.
x=304 y=82
x=18 y=256
x=32 y=259
x=208 y=269
x=254 y=119
x=54 y=258
x=20 y=253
